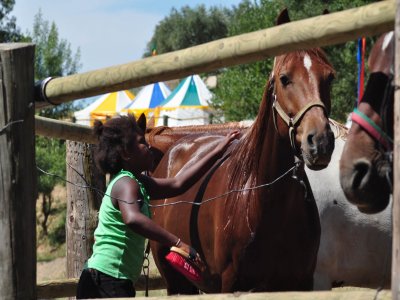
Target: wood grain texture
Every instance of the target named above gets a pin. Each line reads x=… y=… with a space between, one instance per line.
x=64 y=130
x=18 y=189
x=323 y=30
x=82 y=204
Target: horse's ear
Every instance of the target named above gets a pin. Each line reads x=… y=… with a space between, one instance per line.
x=142 y=122
x=283 y=17
x=151 y=123
x=325 y=12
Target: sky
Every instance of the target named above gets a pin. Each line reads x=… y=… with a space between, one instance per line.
x=108 y=32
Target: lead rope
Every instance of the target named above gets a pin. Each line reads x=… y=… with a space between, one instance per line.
x=145 y=268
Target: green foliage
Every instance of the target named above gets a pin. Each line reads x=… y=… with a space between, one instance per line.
x=8 y=28
x=188 y=27
x=57 y=235
x=50 y=156
x=53 y=58
x=240 y=88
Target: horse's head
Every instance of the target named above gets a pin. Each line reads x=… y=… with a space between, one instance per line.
x=365 y=165
x=300 y=88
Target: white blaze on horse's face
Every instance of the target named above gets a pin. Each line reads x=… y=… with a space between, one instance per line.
x=307 y=62
x=386 y=40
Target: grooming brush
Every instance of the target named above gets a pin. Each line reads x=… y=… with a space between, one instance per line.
x=183 y=262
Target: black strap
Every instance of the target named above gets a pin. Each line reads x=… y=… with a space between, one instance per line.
x=146 y=264
x=193 y=226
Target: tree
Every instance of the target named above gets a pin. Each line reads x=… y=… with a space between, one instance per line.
x=50 y=157
x=189 y=27
x=53 y=58
x=240 y=88
x=8 y=28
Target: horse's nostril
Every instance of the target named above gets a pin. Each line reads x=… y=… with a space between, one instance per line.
x=310 y=139
x=361 y=172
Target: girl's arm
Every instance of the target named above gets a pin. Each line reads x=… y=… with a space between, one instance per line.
x=125 y=197
x=159 y=188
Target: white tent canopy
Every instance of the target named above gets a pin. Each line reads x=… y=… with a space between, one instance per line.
x=188 y=104
x=148 y=98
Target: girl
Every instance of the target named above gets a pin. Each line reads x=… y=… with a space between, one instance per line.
x=124 y=221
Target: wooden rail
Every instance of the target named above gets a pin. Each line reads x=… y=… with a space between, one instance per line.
x=67 y=287
x=323 y=30
x=64 y=130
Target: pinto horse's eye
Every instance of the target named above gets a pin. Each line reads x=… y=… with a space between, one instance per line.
x=284 y=80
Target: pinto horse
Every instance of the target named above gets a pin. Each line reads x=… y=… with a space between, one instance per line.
x=366 y=165
x=254 y=237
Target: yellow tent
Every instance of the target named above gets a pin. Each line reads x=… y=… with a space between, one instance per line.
x=106 y=106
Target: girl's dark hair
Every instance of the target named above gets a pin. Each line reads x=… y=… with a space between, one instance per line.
x=113 y=137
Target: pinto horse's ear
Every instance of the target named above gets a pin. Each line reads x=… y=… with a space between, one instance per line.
x=142 y=122
x=283 y=17
x=325 y=12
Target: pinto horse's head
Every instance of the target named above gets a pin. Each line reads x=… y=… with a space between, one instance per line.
x=365 y=170
x=300 y=87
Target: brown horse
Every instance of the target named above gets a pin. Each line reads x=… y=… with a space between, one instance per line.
x=365 y=165
x=257 y=228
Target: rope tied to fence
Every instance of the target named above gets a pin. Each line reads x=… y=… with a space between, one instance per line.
x=88 y=186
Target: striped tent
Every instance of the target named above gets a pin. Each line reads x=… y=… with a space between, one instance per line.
x=188 y=104
x=104 y=107
x=148 y=98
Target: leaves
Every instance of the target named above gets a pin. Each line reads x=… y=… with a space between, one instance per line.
x=53 y=58
x=240 y=88
x=188 y=27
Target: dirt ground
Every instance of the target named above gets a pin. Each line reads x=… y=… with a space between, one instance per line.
x=55 y=269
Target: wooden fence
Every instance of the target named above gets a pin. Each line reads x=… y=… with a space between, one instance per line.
x=17 y=123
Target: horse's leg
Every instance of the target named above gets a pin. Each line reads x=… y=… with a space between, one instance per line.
x=321 y=282
x=228 y=279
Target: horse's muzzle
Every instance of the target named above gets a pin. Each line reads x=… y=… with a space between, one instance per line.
x=317 y=149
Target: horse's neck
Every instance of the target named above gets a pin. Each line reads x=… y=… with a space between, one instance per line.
x=275 y=155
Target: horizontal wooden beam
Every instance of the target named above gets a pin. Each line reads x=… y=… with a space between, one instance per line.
x=81 y=133
x=323 y=30
x=64 y=130
x=67 y=287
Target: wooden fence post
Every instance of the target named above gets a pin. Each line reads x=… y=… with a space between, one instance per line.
x=396 y=165
x=18 y=190
x=82 y=204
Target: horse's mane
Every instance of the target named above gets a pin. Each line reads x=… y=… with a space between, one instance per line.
x=248 y=152
x=339 y=130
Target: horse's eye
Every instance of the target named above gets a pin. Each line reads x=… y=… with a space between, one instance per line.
x=284 y=80
x=330 y=78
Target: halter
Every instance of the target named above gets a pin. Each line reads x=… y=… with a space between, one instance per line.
x=372 y=129
x=379 y=93
x=291 y=122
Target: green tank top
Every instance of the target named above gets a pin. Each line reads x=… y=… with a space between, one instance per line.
x=118 y=251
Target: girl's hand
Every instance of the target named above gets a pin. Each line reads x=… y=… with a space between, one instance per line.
x=194 y=256
x=227 y=141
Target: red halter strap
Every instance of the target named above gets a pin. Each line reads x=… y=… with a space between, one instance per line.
x=372 y=129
